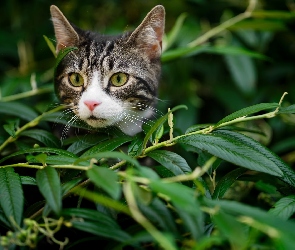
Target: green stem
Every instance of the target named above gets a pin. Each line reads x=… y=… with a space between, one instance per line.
x=164 y=242
x=26 y=94
x=214 y=31
x=30 y=124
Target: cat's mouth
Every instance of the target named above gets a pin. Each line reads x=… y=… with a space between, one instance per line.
x=94 y=118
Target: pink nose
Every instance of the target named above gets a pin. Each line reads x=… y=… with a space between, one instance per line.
x=91 y=104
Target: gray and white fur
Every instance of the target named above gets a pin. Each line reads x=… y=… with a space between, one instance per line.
x=102 y=63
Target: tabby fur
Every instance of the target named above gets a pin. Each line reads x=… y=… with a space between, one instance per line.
x=136 y=55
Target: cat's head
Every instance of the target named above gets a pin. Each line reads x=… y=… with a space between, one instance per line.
x=110 y=80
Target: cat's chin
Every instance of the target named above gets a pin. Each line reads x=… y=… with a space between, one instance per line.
x=127 y=128
x=97 y=122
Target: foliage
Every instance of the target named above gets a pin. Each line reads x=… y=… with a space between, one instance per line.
x=210 y=179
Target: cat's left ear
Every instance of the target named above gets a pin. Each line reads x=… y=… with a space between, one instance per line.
x=65 y=34
x=148 y=35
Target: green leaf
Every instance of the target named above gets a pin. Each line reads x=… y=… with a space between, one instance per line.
x=102 y=199
x=48 y=139
x=158 y=212
x=273 y=14
x=198 y=127
x=265 y=187
x=10 y=129
x=107 y=179
x=135 y=147
x=234 y=230
x=170 y=160
x=287 y=110
x=279 y=230
x=247 y=111
x=11 y=195
x=66 y=187
x=5 y=222
x=159 y=123
x=90 y=215
x=101 y=229
x=193 y=221
x=50 y=45
x=11 y=126
x=49 y=185
x=173 y=33
x=62 y=53
x=223 y=50
x=41 y=158
x=284 y=208
x=117 y=155
x=242 y=151
x=18 y=109
x=181 y=52
x=243 y=72
x=258 y=24
x=180 y=195
x=284 y=145
x=108 y=145
x=235 y=51
x=60 y=160
x=226 y=181
x=28 y=180
x=86 y=142
x=40 y=150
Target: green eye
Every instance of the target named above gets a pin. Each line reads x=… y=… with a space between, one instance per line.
x=119 y=79
x=76 y=79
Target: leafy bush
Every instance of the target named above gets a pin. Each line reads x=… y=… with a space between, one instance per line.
x=214 y=185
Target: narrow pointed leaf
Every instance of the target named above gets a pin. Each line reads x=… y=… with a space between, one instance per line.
x=284 y=208
x=62 y=54
x=40 y=150
x=11 y=195
x=172 y=35
x=170 y=160
x=266 y=220
x=50 y=45
x=287 y=110
x=248 y=111
x=226 y=181
x=242 y=151
x=18 y=109
x=101 y=155
x=106 y=179
x=85 y=143
x=234 y=230
x=49 y=185
x=160 y=122
x=180 y=195
x=101 y=230
x=90 y=215
x=108 y=145
x=48 y=139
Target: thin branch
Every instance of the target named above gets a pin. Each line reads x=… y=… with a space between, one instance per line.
x=216 y=30
x=30 y=124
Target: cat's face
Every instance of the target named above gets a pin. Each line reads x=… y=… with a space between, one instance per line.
x=110 y=80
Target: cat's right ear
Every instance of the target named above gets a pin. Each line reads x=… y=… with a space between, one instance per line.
x=65 y=34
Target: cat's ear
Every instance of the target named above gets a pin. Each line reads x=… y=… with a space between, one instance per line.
x=65 y=34
x=148 y=35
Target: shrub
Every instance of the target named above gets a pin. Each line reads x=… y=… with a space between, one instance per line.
x=163 y=188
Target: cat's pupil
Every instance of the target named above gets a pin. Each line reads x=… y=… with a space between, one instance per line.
x=77 y=78
x=119 y=79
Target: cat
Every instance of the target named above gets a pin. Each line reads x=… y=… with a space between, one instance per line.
x=110 y=80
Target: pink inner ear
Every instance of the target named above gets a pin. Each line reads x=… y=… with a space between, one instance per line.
x=65 y=42
x=159 y=33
